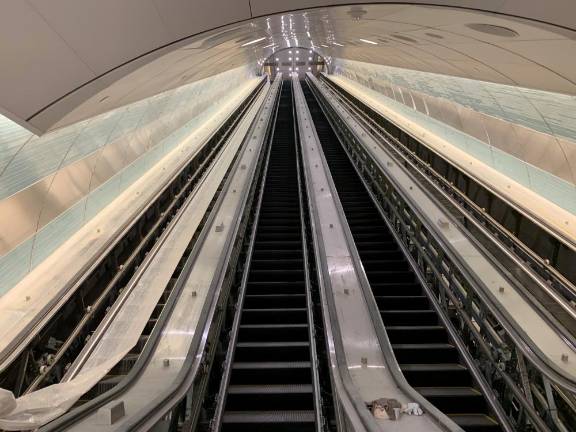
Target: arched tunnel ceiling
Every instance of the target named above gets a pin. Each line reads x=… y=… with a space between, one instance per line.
x=68 y=60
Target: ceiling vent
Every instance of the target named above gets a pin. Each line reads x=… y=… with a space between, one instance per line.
x=404 y=38
x=493 y=30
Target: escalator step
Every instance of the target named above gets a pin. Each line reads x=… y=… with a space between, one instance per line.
x=271 y=389
x=266 y=421
x=267 y=397
x=274 y=316
x=425 y=353
x=454 y=400
x=277 y=332
x=476 y=422
x=280 y=372
x=263 y=264
x=396 y=289
x=408 y=317
x=275 y=301
x=414 y=329
x=272 y=351
x=277 y=287
x=402 y=302
x=434 y=375
x=417 y=334
x=277 y=275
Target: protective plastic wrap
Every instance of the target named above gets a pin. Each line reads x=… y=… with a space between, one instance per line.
x=124 y=323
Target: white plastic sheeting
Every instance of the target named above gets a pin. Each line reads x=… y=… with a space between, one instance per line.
x=121 y=329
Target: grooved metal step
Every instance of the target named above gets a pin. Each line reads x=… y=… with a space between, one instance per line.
x=421 y=344
x=270 y=386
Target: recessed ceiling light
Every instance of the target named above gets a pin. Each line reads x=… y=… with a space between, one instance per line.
x=253 y=42
x=290 y=58
x=277 y=59
x=309 y=68
x=309 y=58
x=369 y=42
x=310 y=51
x=290 y=68
x=277 y=69
x=297 y=52
x=289 y=52
x=297 y=58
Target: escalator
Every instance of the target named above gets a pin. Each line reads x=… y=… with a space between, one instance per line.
x=423 y=348
x=271 y=380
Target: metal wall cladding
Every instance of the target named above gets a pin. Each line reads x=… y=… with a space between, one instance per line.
x=471 y=125
x=69 y=185
x=52 y=185
x=491 y=123
x=500 y=106
x=19 y=214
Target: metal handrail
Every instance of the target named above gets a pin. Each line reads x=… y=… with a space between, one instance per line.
x=185 y=379
x=459 y=296
x=569 y=382
x=310 y=312
x=19 y=343
x=382 y=336
x=353 y=407
x=193 y=360
x=385 y=343
x=555 y=285
x=216 y=421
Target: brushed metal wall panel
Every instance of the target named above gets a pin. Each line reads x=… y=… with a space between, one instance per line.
x=69 y=186
x=495 y=115
x=569 y=149
x=451 y=114
x=419 y=102
x=435 y=108
x=503 y=136
x=19 y=214
x=544 y=152
x=471 y=124
x=57 y=232
x=93 y=167
x=111 y=161
x=132 y=149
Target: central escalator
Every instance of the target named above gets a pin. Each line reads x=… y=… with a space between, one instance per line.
x=423 y=348
x=271 y=381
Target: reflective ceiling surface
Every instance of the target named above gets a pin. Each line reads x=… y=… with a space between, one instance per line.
x=451 y=41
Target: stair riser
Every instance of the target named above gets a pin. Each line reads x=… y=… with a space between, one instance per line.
x=269 y=401
x=286 y=334
x=274 y=317
x=271 y=376
x=262 y=354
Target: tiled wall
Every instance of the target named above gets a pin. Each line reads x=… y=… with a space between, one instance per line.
x=526 y=134
x=50 y=186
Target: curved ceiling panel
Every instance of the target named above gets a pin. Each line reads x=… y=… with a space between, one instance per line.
x=68 y=60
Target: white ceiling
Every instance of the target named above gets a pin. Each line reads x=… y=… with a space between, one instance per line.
x=67 y=60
